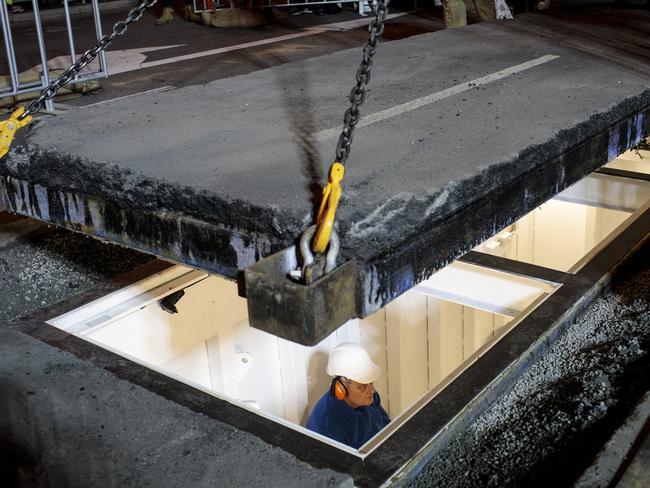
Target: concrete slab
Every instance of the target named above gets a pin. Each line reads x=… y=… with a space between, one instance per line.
x=465 y=131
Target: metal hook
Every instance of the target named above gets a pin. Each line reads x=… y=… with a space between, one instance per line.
x=307 y=257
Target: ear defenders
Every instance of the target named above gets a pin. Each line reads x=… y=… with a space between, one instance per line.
x=338 y=389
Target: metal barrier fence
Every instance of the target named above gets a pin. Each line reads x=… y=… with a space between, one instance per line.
x=16 y=86
x=364 y=6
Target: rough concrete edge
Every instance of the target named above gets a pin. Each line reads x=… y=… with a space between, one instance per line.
x=378 y=287
x=125 y=188
x=439 y=205
x=128 y=188
x=617 y=451
x=174 y=237
x=497 y=387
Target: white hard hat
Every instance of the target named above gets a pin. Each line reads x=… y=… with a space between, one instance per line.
x=352 y=361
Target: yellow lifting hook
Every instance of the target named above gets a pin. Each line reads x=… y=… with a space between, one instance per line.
x=9 y=127
x=327 y=209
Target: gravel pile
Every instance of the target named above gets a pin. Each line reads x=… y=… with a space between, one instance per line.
x=553 y=421
x=40 y=271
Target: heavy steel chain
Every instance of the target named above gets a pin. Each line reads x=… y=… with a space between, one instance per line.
x=86 y=58
x=358 y=93
x=322 y=235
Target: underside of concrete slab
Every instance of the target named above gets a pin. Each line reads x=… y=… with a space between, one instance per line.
x=463 y=132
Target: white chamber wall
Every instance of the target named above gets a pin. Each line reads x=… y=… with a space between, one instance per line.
x=417 y=340
x=559 y=233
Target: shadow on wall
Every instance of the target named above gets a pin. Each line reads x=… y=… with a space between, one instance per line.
x=318 y=381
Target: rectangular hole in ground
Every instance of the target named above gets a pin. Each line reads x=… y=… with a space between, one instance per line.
x=418 y=340
x=563 y=232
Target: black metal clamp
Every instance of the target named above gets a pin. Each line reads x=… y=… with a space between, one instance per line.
x=301 y=313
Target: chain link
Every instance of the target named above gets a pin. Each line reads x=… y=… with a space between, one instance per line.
x=358 y=93
x=119 y=28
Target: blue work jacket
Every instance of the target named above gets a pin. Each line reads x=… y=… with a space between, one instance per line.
x=352 y=426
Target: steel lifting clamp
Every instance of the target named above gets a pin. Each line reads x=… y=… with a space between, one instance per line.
x=327 y=209
x=9 y=127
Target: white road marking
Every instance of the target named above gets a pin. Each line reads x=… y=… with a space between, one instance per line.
x=118 y=61
x=162 y=89
x=319 y=29
x=434 y=97
x=131 y=59
x=125 y=60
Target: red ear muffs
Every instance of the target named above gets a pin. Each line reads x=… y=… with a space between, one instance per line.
x=340 y=390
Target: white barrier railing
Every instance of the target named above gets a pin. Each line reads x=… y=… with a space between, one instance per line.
x=18 y=87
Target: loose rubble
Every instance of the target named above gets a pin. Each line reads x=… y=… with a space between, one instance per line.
x=550 y=425
x=37 y=272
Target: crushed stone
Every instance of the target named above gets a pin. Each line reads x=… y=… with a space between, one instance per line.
x=548 y=427
x=37 y=271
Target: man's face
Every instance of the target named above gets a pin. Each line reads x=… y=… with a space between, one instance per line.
x=359 y=395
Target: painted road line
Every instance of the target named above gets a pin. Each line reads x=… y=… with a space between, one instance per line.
x=319 y=29
x=434 y=97
x=162 y=89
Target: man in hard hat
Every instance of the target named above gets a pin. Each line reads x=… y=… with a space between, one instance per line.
x=350 y=412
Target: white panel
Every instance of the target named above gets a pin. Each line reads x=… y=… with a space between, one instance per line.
x=406 y=333
x=262 y=382
x=503 y=244
x=147 y=334
x=559 y=234
x=591 y=228
x=223 y=308
x=483 y=288
x=525 y=238
x=156 y=336
x=372 y=336
x=500 y=322
x=445 y=339
x=507 y=238
x=192 y=364
x=478 y=328
x=451 y=325
x=606 y=221
x=318 y=381
x=434 y=340
x=632 y=161
x=294 y=381
x=223 y=362
x=348 y=332
x=615 y=192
